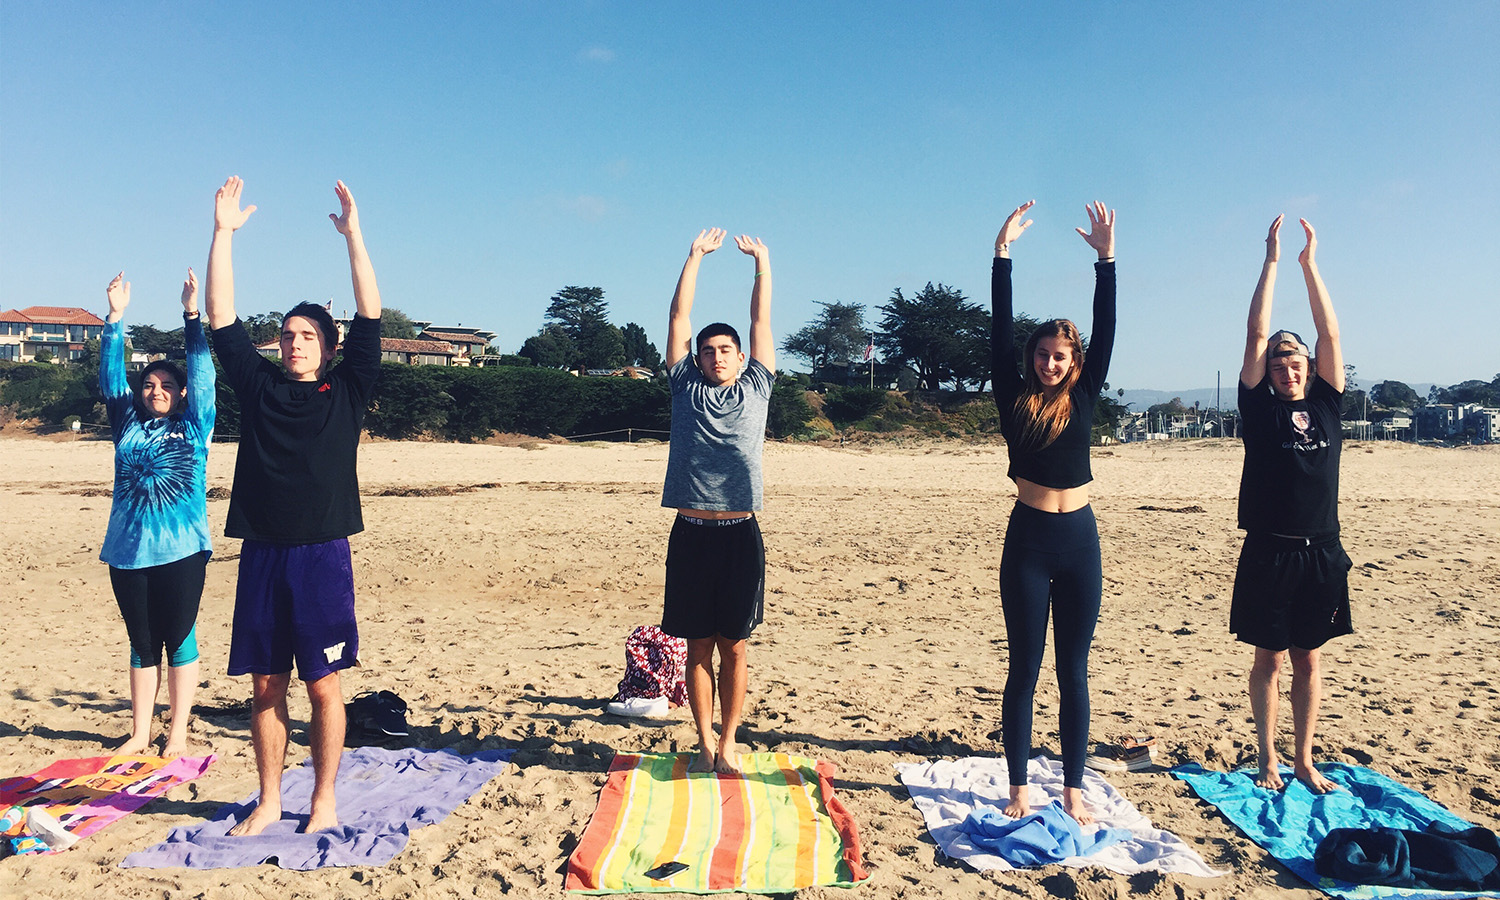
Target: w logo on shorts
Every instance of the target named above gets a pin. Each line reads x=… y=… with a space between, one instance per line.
x=336 y=652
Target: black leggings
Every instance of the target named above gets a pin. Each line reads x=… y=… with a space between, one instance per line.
x=1056 y=556
x=160 y=606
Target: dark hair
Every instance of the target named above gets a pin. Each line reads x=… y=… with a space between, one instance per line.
x=715 y=330
x=319 y=316
x=161 y=365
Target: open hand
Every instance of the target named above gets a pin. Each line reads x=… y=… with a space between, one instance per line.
x=1101 y=233
x=190 y=293
x=1013 y=227
x=118 y=293
x=753 y=247
x=347 y=219
x=1306 y=256
x=227 y=213
x=707 y=241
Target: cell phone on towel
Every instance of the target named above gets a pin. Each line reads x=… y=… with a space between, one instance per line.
x=666 y=870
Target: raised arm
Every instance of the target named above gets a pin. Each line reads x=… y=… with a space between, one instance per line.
x=1258 y=328
x=228 y=217
x=112 y=382
x=200 y=365
x=1005 y=377
x=1329 y=353
x=1101 y=236
x=366 y=294
x=762 y=345
x=679 y=323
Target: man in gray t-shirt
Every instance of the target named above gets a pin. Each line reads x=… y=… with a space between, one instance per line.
x=716 y=562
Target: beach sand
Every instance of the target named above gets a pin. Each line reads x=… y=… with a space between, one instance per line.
x=498 y=606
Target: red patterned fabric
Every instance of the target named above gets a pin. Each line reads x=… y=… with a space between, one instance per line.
x=654 y=666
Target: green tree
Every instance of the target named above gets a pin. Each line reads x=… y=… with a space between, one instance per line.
x=939 y=333
x=152 y=340
x=789 y=412
x=550 y=348
x=1395 y=395
x=263 y=327
x=837 y=335
x=639 y=350
x=88 y=360
x=1472 y=391
x=583 y=316
x=396 y=324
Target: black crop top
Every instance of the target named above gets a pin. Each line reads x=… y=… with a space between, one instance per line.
x=1065 y=462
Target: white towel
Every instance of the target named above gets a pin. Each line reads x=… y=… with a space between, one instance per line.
x=946 y=791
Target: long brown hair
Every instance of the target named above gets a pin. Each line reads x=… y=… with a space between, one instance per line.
x=1043 y=420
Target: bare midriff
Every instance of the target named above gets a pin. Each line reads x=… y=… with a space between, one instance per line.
x=1046 y=499
x=716 y=513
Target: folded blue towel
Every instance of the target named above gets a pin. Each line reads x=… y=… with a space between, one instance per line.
x=1046 y=836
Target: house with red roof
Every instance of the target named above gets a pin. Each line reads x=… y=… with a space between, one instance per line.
x=59 y=330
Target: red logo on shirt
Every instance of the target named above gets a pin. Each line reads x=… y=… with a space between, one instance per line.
x=325 y=386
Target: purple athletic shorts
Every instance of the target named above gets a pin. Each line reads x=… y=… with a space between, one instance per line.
x=294 y=601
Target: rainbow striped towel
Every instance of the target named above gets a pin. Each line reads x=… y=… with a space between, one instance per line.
x=775 y=828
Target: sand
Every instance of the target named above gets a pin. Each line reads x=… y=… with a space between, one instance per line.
x=499 y=604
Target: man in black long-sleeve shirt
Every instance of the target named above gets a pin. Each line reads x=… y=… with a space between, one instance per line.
x=295 y=502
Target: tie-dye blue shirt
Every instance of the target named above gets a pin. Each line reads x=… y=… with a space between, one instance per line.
x=160 y=511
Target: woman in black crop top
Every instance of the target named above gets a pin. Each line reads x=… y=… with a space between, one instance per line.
x=1050 y=563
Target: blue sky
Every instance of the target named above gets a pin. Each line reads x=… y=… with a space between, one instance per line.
x=501 y=151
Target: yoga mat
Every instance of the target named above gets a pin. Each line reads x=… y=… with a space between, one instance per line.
x=84 y=795
x=947 y=791
x=382 y=796
x=775 y=828
x=1289 y=823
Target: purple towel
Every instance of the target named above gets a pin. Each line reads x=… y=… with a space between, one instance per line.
x=382 y=796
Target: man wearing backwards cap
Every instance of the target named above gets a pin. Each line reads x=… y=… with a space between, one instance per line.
x=1291 y=589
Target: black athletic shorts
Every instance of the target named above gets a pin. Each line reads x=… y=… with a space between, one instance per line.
x=1290 y=592
x=716 y=580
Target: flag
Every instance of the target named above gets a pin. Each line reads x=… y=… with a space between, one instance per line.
x=870 y=350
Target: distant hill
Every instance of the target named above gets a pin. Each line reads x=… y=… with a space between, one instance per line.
x=1140 y=400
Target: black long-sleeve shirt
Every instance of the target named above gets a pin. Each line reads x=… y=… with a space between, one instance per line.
x=294 y=474
x=1064 y=463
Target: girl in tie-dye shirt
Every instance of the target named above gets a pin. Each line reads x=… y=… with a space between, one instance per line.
x=157 y=545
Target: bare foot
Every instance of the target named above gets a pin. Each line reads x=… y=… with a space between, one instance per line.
x=135 y=746
x=259 y=820
x=1020 y=802
x=174 y=748
x=1270 y=775
x=1074 y=806
x=727 y=762
x=1314 y=779
x=321 y=819
x=703 y=763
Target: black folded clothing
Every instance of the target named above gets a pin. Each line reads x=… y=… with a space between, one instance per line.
x=1440 y=858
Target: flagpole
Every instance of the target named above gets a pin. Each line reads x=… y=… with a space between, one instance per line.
x=872 y=363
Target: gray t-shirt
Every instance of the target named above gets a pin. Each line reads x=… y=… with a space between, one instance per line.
x=717 y=435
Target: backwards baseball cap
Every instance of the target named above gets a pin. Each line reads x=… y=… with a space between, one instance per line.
x=1297 y=348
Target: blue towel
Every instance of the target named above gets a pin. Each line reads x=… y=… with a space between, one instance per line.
x=382 y=795
x=1046 y=836
x=1290 y=823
